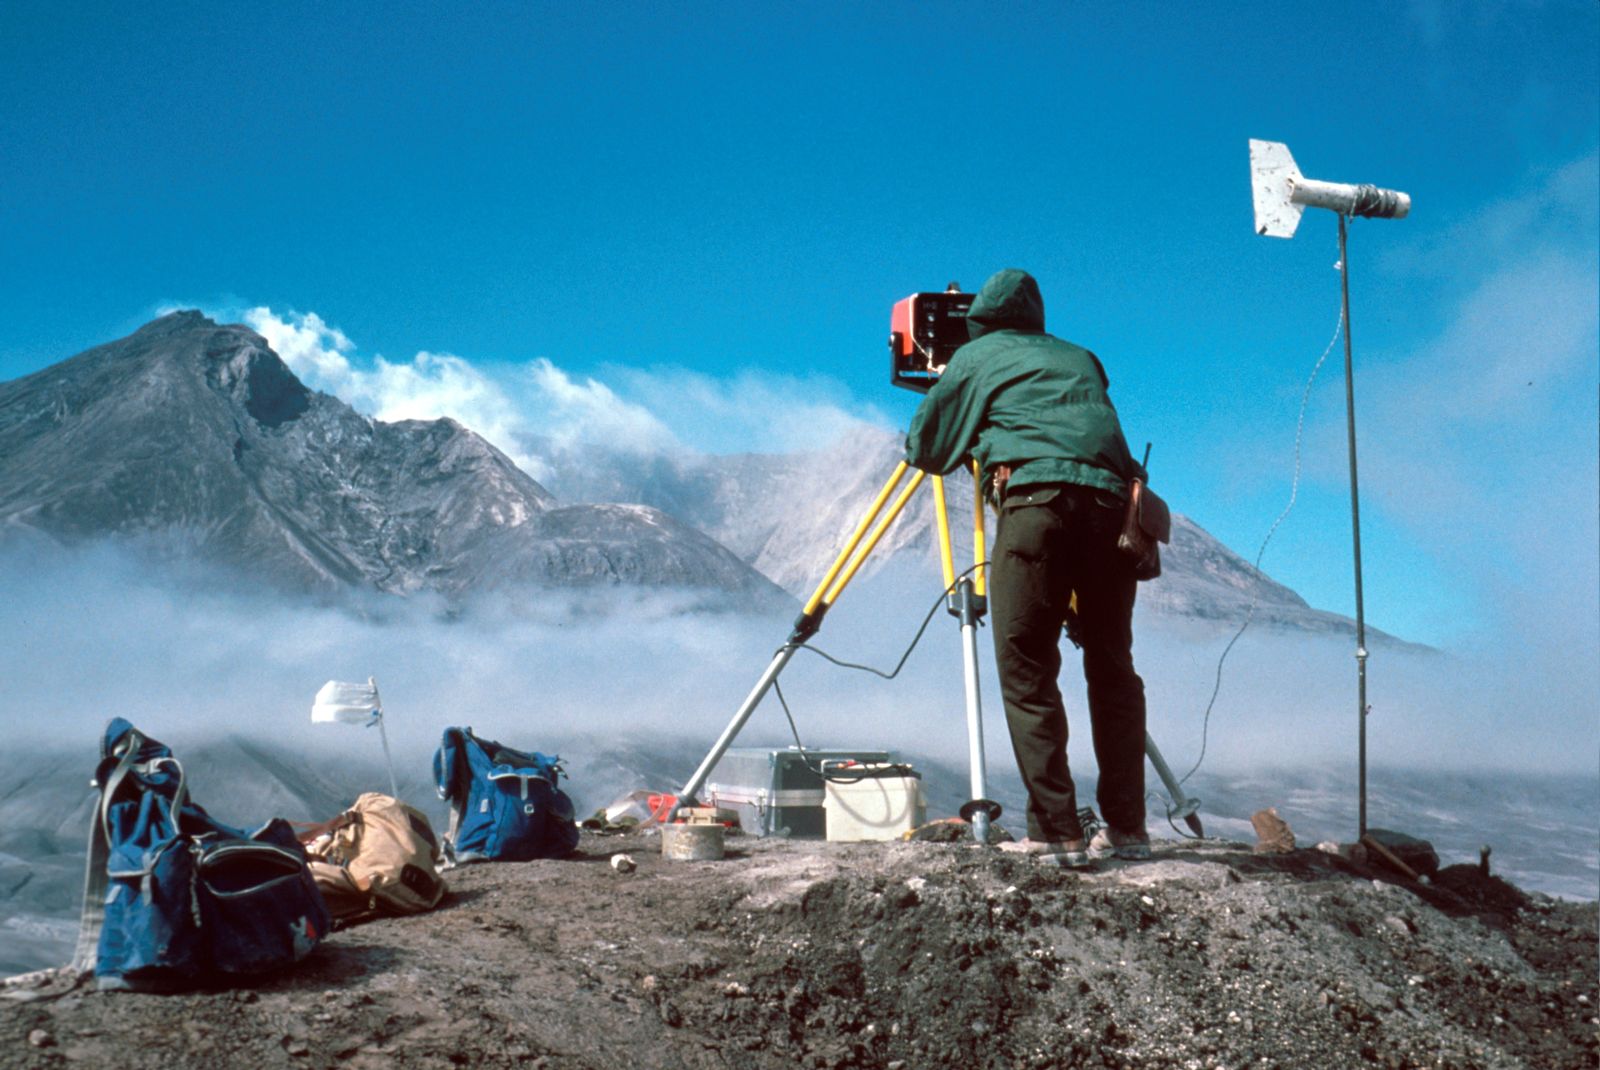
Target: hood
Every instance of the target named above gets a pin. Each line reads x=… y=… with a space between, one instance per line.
x=1010 y=299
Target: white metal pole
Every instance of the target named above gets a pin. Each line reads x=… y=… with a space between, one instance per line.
x=387 y=757
x=969 y=668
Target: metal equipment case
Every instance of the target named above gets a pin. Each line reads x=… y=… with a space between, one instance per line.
x=778 y=792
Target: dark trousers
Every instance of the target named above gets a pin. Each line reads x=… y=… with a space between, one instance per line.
x=1052 y=541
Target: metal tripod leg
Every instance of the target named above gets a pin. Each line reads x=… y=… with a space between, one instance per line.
x=967 y=604
x=1182 y=805
x=979 y=810
x=688 y=794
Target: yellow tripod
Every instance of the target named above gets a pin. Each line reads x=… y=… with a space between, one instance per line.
x=966 y=601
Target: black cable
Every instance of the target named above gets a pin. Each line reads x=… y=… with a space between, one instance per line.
x=943 y=595
x=1167 y=805
x=897 y=768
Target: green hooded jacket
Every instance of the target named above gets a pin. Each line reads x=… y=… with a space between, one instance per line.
x=1016 y=395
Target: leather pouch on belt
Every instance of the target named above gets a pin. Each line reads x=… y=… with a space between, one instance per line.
x=997 y=483
x=1147 y=524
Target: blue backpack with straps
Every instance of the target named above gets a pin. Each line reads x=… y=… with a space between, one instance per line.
x=174 y=898
x=504 y=803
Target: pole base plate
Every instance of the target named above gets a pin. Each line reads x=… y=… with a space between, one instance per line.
x=972 y=807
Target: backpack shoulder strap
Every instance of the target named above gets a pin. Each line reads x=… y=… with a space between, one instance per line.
x=451 y=772
x=92 y=917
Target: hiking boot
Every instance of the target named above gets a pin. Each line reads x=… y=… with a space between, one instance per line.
x=1068 y=854
x=1130 y=846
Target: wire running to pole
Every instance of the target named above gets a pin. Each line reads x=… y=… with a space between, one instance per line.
x=1294 y=491
x=927 y=620
x=788 y=714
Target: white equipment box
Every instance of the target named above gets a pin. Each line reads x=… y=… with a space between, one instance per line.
x=871 y=801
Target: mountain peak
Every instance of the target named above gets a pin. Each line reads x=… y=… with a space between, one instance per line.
x=181 y=320
x=200 y=434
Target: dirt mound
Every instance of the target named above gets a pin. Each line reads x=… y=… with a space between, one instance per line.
x=894 y=956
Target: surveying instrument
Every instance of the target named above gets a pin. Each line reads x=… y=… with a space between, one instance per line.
x=925 y=331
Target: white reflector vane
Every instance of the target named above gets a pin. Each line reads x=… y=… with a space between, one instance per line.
x=1281 y=193
x=1272 y=175
x=347 y=703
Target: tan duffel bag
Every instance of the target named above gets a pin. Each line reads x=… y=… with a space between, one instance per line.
x=378 y=857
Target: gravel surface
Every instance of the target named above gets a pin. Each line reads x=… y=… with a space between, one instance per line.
x=900 y=956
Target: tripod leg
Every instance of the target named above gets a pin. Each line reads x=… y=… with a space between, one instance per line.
x=980 y=550
x=872 y=540
x=1183 y=805
x=980 y=810
x=818 y=597
x=691 y=789
x=942 y=519
x=968 y=608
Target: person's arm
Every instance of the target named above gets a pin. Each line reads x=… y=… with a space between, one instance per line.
x=945 y=427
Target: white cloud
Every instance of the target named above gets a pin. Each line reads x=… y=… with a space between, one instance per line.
x=575 y=412
x=531 y=410
x=315 y=351
x=752 y=412
x=428 y=387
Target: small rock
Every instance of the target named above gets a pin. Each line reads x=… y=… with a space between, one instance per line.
x=897 y=1064
x=1273 y=834
x=623 y=863
x=41 y=1039
x=295 y=1046
x=671 y=1015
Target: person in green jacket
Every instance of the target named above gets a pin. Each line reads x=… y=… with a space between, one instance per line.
x=1034 y=412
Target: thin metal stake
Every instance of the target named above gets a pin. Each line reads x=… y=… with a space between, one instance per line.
x=1355 y=528
x=388 y=759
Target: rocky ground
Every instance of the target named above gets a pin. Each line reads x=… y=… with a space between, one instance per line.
x=899 y=956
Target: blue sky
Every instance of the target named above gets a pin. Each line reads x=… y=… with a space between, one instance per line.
x=699 y=216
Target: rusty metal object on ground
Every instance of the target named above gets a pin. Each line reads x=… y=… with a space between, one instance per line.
x=692 y=843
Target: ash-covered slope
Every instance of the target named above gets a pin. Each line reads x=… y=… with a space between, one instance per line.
x=788 y=515
x=891 y=955
x=198 y=440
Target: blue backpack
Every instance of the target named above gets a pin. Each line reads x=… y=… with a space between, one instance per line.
x=173 y=898
x=504 y=803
